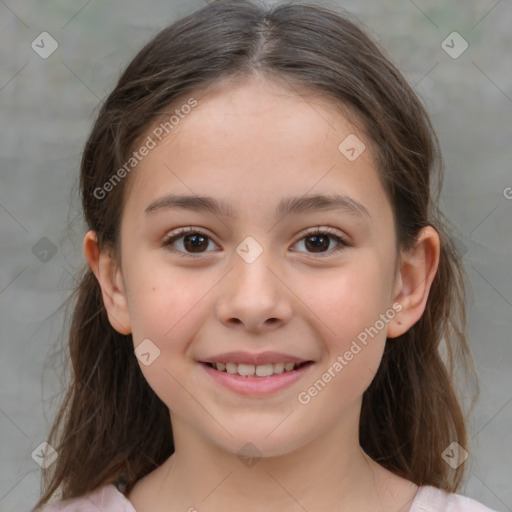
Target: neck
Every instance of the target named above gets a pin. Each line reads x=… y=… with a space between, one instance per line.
x=331 y=472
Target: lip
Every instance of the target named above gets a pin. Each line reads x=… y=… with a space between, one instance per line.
x=253 y=358
x=256 y=386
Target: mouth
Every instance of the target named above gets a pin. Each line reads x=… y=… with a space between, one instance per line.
x=256 y=380
x=257 y=371
x=255 y=374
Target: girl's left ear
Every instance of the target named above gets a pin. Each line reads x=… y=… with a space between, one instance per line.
x=110 y=279
x=417 y=271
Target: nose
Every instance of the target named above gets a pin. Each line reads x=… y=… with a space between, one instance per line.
x=253 y=296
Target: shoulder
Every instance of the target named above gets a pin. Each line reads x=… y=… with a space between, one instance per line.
x=431 y=499
x=106 y=498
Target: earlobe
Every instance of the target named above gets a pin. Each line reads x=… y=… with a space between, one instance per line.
x=109 y=276
x=417 y=271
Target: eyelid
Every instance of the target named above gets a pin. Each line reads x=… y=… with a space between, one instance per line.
x=325 y=230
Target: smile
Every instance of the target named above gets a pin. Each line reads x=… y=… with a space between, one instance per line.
x=251 y=370
x=255 y=380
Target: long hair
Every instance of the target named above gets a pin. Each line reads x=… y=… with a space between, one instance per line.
x=111 y=426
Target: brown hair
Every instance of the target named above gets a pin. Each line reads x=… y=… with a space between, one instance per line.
x=111 y=425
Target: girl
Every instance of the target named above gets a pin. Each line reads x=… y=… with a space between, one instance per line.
x=268 y=274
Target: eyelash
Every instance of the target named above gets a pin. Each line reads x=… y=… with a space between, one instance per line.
x=173 y=237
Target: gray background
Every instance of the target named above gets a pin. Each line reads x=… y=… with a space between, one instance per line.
x=48 y=106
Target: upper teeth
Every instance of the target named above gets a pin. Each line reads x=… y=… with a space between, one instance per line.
x=261 y=370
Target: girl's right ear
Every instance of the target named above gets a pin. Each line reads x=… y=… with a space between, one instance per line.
x=110 y=279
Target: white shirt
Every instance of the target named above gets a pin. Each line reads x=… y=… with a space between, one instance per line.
x=109 y=499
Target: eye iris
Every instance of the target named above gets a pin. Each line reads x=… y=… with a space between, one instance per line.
x=319 y=241
x=193 y=240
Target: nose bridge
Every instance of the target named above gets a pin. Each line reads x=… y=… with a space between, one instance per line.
x=252 y=264
x=253 y=294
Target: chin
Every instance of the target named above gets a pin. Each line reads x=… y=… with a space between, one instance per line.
x=262 y=440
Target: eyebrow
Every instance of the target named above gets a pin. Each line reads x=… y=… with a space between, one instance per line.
x=300 y=204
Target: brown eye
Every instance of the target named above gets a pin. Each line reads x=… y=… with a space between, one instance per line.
x=192 y=242
x=318 y=241
x=195 y=243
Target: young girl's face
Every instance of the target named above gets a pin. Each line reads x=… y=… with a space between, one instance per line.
x=255 y=280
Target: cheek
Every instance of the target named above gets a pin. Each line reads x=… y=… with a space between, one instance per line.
x=167 y=316
x=163 y=302
x=350 y=299
x=353 y=313
x=165 y=309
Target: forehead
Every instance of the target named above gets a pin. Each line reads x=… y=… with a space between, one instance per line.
x=251 y=143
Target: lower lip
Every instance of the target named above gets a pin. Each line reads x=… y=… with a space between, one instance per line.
x=256 y=385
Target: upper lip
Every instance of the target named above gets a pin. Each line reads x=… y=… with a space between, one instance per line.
x=254 y=358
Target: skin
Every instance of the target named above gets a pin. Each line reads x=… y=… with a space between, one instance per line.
x=251 y=144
